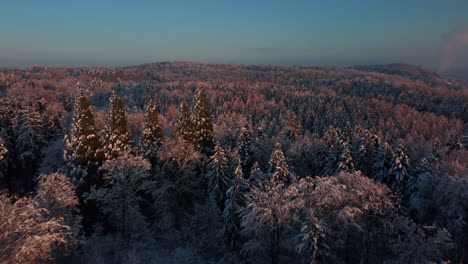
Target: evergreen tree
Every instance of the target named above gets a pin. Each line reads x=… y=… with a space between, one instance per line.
x=152 y=137
x=383 y=164
x=84 y=149
x=231 y=217
x=218 y=176
x=3 y=151
x=28 y=153
x=334 y=145
x=454 y=143
x=245 y=151
x=256 y=174
x=184 y=128
x=399 y=169
x=345 y=161
x=367 y=154
x=118 y=136
x=348 y=132
x=279 y=169
x=292 y=127
x=204 y=133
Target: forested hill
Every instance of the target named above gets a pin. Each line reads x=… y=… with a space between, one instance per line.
x=187 y=162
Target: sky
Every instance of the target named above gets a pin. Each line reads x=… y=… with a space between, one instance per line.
x=288 y=32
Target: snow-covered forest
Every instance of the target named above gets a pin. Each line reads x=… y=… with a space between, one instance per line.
x=190 y=162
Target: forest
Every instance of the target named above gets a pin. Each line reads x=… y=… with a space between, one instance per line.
x=187 y=162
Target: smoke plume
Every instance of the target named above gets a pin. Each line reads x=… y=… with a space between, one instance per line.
x=452 y=48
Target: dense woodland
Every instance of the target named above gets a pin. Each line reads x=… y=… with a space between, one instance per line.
x=189 y=162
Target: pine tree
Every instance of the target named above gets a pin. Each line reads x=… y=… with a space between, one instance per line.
x=84 y=145
x=279 y=169
x=345 y=161
x=204 y=133
x=334 y=145
x=399 y=169
x=28 y=153
x=231 y=217
x=184 y=128
x=245 y=151
x=367 y=153
x=152 y=137
x=383 y=163
x=292 y=127
x=348 y=132
x=3 y=151
x=218 y=176
x=118 y=136
x=454 y=143
x=256 y=174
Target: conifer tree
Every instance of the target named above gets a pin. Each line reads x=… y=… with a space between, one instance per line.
x=345 y=161
x=245 y=151
x=383 y=163
x=118 y=136
x=28 y=153
x=204 y=133
x=454 y=143
x=84 y=145
x=3 y=151
x=348 y=132
x=367 y=153
x=152 y=137
x=218 y=176
x=256 y=174
x=334 y=145
x=184 y=128
x=231 y=217
x=279 y=169
x=293 y=126
x=399 y=169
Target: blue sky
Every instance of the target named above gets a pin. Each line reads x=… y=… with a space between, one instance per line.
x=111 y=33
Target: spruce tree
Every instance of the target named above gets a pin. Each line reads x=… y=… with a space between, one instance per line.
x=28 y=153
x=218 y=176
x=292 y=127
x=3 y=151
x=231 y=217
x=204 y=133
x=152 y=137
x=184 y=128
x=245 y=151
x=256 y=174
x=367 y=153
x=399 y=169
x=279 y=169
x=345 y=161
x=84 y=145
x=454 y=143
x=118 y=138
x=383 y=161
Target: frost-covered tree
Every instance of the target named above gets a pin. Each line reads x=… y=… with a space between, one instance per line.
x=454 y=142
x=28 y=154
x=38 y=229
x=367 y=153
x=293 y=127
x=245 y=151
x=57 y=195
x=334 y=145
x=218 y=176
x=84 y=147
x=231 y=216
x=384 y=161
x=3 y=151
x=178 y=183
x=399 y=169
x=184 y=128
x=279 y=169
x=202 y=120
x=345 y=161
x=256 y=174
x=118 y=138
x=126 y=178
x=152 y=136
x=271 y=210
